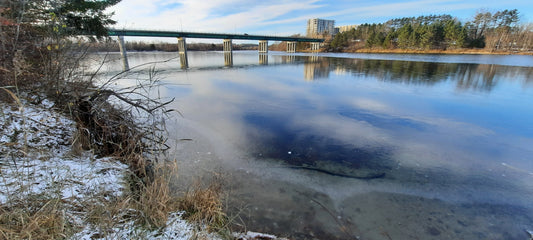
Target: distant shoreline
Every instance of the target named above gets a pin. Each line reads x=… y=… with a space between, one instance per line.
x=454 y=51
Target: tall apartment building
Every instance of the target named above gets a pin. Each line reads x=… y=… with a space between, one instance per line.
x=317 y=26
x=347 y=28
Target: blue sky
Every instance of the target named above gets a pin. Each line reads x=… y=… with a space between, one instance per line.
x=286 y=17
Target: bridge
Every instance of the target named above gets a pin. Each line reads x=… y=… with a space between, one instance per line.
x=151 y=33
x=227 y=38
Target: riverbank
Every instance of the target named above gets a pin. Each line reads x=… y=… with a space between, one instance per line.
x=436 y=51
x=52 y=189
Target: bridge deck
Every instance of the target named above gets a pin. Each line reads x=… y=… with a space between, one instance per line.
x=150 y=33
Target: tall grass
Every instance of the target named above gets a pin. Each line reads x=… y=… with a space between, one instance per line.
x=203 y=205
x=38 y=218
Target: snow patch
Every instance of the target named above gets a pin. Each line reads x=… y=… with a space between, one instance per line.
x=256 y=236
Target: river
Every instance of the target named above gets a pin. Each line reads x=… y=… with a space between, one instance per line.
x=346 y=146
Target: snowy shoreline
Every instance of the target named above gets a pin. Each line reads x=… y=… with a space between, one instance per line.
x=38 y=159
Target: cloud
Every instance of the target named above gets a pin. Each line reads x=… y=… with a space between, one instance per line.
x=193 y=15
x=400 y=9
x=284 y=17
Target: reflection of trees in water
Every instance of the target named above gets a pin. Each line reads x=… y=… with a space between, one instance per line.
x=529 y=80
x=479 y=77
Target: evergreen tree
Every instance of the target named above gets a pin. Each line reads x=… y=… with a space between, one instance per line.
x=404 y=35
x=64 y=17
x=425 y=37
x=497 y=31
x=389 y=41
x=454 y=34
x=376 y=36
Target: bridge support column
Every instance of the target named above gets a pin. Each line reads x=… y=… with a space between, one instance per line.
x=291 y=47
x=122 y=46
x=227 y=47
x=182 y=49
x=315 y=47
x=263 y=46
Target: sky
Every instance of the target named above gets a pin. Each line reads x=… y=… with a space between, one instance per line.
x=287 y=17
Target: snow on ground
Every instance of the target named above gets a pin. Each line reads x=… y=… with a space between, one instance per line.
x=176 y=229
x=37 y=158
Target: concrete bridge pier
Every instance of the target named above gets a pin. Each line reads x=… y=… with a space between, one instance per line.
x=122 y=47
x=182 y=49
x=227 y=46
x=228 y=52
x=263 y=46
x=291 y=47
x=315 y=47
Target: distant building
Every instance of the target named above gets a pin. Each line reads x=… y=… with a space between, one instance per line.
x=317 y=26
x=346 y=28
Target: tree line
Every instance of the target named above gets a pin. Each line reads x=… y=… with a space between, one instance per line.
x=494 y=31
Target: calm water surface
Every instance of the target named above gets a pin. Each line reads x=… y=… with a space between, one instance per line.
x=375 y=146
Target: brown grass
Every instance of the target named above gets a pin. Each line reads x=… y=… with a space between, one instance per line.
x=35 y=219
x=155 y=200
x=203 y=205
x=105 y=214
x=149 y=207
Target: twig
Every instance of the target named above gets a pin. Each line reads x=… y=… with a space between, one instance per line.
x=341 y=225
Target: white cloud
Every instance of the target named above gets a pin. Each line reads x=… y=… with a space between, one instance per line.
x=403 y=9
x=283 y=16
x=193 y=15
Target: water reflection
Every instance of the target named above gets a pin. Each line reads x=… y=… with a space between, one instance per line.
x=289 y=58
x=184 y=62
x=263 y=59
x=228 y=59
x=479 y=77
x=466 y=76
x=315 y=68
x=427 y=150
x=353 y=124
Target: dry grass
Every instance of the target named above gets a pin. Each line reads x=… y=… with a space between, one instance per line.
x=203 y=205
x=155 y=201
x=105 y=214
x=35 y=219
x=149 y=208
